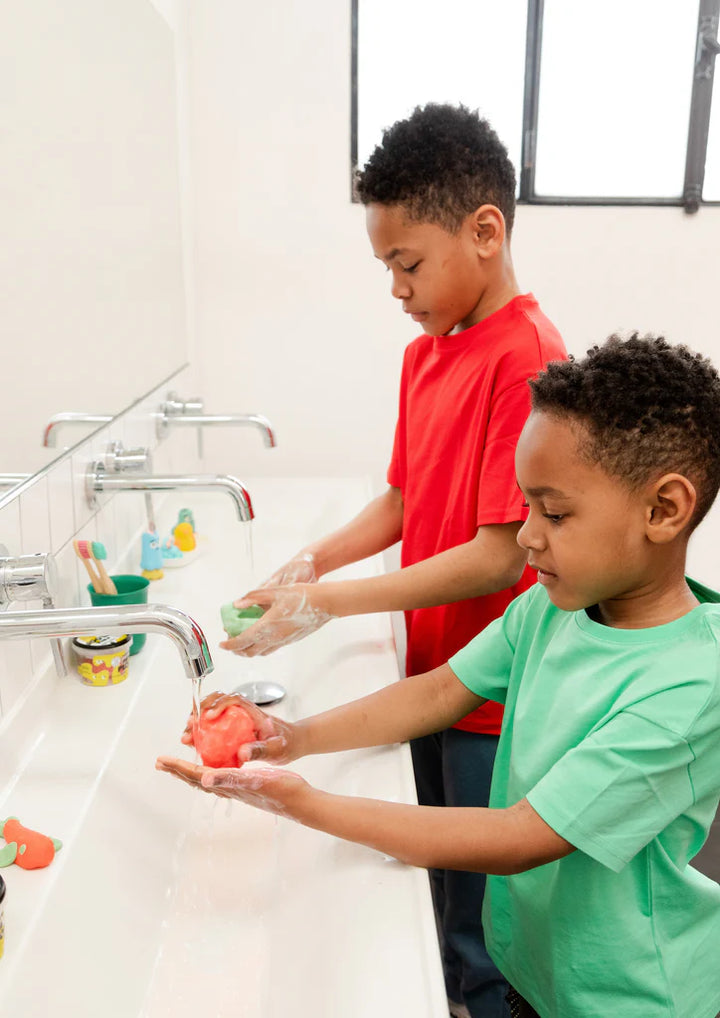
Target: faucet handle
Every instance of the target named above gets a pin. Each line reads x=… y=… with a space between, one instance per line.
x=31 y=578
x=176 y=407
x=27 y=577
x=115 y=460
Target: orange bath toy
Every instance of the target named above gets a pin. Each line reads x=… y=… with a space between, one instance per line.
x=29 y=849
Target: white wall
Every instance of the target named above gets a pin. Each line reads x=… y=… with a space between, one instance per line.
x=294 y=316
x=93 y=296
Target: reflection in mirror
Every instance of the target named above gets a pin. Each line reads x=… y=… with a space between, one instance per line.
x=92 y=302
x=13 y=483
x=50 y=431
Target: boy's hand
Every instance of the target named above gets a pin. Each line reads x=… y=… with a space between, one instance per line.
x=268 y=788
x=276 y=739
x=290 y=615
x=300 y=569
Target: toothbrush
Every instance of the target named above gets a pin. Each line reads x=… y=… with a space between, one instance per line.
x=97 y=550
x=83 y=552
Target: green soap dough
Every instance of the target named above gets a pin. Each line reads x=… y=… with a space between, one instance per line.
x=237 y=620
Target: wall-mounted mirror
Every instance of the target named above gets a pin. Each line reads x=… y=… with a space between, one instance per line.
x=92 y=300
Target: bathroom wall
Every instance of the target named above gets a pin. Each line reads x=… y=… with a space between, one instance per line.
x=294 y=317
x=92 y=202
x=52 y=511
x=289 y=314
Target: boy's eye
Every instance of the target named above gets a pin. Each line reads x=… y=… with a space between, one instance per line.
x=554 y=517
x=409 y=268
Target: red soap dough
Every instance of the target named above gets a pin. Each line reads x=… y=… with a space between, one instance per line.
x=218 y=739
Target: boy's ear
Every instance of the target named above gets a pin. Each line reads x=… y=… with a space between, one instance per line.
x=488 y=225
x=670 y=509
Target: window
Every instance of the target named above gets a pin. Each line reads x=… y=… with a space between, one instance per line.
x=596 y=104
x=409 y=52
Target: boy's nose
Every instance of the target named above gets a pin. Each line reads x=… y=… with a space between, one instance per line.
x=400 y=288
x=529 y=536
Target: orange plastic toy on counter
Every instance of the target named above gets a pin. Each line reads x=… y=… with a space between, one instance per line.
x=28 y=849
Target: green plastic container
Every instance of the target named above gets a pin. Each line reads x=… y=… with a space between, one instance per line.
x=130 y=590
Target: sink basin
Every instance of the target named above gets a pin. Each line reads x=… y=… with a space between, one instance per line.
x=166 y=901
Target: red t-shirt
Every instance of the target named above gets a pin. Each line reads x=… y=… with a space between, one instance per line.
x=464 y=399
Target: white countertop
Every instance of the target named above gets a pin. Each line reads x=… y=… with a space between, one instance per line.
x=168 y=902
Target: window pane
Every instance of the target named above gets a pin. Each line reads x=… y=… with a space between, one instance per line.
x=468 y=51
x=614 y=105
x=711 y=186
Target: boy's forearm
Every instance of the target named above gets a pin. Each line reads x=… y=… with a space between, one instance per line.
x=492 y=561
x=377 y=527
x=404 y=710
x=499 y=841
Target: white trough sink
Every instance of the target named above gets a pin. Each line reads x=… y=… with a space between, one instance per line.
x=169 y=902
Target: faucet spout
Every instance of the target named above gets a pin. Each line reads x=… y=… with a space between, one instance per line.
x=69 y=417
x=11 y=479
x=100 y=481
x=206 y=420
x=185 y=633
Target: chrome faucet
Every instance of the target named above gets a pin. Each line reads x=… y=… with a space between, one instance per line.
x=185 y=633
x=122 y=470
x=190 y=413
x=11 y=480
x=31 y=578
x=69 y=417
x=34 y=577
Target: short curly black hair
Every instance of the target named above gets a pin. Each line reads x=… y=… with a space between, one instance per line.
x=648 y=408
x=440 y=164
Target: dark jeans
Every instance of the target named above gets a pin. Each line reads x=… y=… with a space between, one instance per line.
x=454 y=768
x=519 y=1007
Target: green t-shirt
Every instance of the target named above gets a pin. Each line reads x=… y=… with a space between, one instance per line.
x=613 y=736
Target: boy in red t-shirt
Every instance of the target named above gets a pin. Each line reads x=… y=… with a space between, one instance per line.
x=439 y=194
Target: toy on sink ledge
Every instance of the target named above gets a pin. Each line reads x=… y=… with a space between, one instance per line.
x=28 y=849
x=151 y=560
x=184 y=544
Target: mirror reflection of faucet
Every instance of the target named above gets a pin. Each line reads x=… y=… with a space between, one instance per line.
x=10 y=480
x=124 y=470
x=69 y=417
x=189 y=413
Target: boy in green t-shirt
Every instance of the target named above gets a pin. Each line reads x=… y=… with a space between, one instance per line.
x=607 y=776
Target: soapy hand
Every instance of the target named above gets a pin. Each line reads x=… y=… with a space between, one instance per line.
x=290 y=615
x=300 y=569
x=275 y=738
x=268 y=788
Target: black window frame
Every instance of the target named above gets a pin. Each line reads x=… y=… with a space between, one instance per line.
x=706 y=49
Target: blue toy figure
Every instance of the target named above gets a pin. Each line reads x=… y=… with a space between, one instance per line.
x=171 y=554
x=151 y=558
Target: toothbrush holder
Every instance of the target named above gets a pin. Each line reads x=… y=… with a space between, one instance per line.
x=130 y=590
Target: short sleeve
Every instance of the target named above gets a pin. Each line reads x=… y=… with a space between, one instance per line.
x=618 y=789
x=397 y=470
x=499 y=497
x=484 y=665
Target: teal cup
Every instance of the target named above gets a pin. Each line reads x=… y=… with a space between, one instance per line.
x=130 y=590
